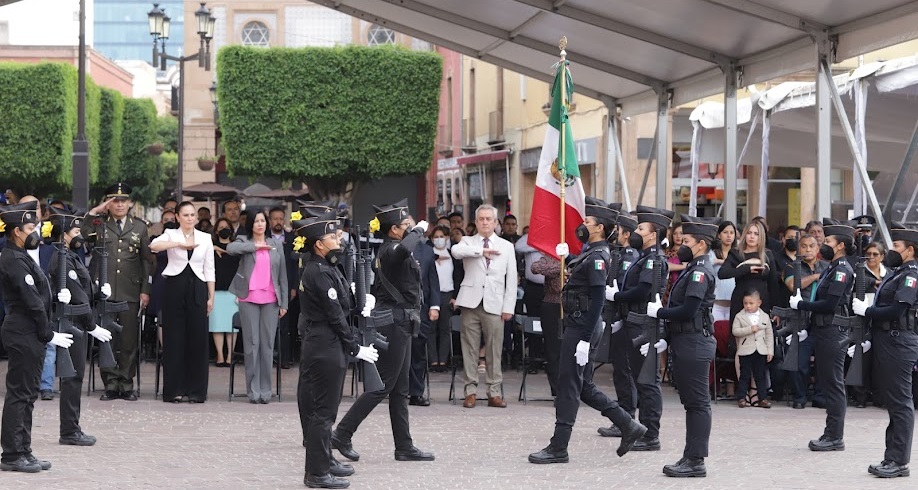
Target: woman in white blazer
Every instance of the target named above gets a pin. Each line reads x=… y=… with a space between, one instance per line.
x=261 y=286
x=189 y=298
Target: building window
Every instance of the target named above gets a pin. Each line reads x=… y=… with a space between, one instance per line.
x=378 y=35
x=255 y=34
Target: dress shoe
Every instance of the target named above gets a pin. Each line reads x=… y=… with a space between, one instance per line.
x=78 y=439
x=889 y=469
x=339 y=469
x=647 y=444
x=47 y=395
x=325 y=481
x=413 y=454
x=686 y=467
x=817 y=404
x=799 y=406
x=344 y=447
x=826 y=443
x=110 y=395
x=45 y=465
x=549 y=455
x=22 y=464
x=497 y=401
x=286 y=365
x=264 y=401
x=630 y=435
x=419 y=401
x=612 y=431
x=130 y=396
x=470 y=401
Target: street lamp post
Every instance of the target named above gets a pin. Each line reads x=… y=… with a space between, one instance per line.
x=159 y=30
x=80 y=154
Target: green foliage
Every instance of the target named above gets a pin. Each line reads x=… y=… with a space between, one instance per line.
x=138 y=168
x=93 y=128
x=335 y=117
x=111 y=125
x=167 y=132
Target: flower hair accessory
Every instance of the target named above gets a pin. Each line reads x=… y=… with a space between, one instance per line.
x=298 y=243
x=296 y=216
x=46 y=229
x=374 y=225
x=2 y=226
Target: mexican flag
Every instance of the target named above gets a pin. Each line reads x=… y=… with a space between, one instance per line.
x=545 y=223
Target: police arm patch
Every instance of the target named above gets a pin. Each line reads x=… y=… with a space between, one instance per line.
x=29 y=280
x=599 y=265
x=649 y=264
x=840 y=276
x=332 y=294
x=911 y=282
x=72 y=275
x=697 y=276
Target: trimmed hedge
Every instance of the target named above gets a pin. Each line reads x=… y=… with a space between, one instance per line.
x=344 y=114
x=138 y=168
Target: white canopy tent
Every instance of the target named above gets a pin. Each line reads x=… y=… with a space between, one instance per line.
x=644 y=55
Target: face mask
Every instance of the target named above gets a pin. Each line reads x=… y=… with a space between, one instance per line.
x=440 y=242
x=790 y=245
x=334 y=256
x=893 y=259
x=865 y=240
x=685 y=254
x=636 y=241
x=826 y=253
x=77 y=242
x=583 y=234
x=225 y=233
x=32 y=241
x=171 y=225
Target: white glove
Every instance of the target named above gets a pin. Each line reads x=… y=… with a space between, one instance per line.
x=353 y=288
x=859 y=307
x=664 y=244
x=797 y=298
x=645 y=348
x=866 y=345
x=616 y=326
x=64 y=296
x=654 y=307
x=803 y=335
x=64 y=340
x=612 y=290
x=368 y=354
x=660 y=346
x=562 y=250
x=101 y=334
x=106 y=290
x=422 y=225
x=368 y=307
x=583 y=352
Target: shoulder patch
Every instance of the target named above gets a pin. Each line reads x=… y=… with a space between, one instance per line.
x=29 y=280
x=649 y=264
x=840 y=276
x=332 y=294
x=697 y=276
x=910 y=282
x=72 y=275
x=626 y=265
x=599 y=265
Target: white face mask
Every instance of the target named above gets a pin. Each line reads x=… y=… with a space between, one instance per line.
x=345 y=237
x=440 y=242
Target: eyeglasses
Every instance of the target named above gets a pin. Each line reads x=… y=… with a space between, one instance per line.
x=873 y=254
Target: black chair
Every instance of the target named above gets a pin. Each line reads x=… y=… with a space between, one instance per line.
x=92 y=351
x=236 y=358
x=531 y=325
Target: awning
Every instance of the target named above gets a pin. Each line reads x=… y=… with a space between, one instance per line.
x=491 y=156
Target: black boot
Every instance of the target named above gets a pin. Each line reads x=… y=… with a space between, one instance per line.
x=549 y=455
x=339 y=469
x=344 y=446
x=647 y=444
x=325 y=481
x=889 y=469
x=613 y=431
x=630 y=435
x=826 y=443
x=686 y=467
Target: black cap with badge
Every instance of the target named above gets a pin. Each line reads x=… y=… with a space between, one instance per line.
x=700 y=227
x=118 y=190
x=391 y=214
x=14 y=215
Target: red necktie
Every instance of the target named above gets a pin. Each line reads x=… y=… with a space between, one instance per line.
x=487 y=244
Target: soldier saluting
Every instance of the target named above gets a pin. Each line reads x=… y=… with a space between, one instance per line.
x=129 y=259
x=26 y=330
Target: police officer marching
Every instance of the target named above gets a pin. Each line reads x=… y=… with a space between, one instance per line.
x=690 y=330
x=832 y=296
x=894 y=329
x=326 y=302
x=26 y=330
x=582 y=298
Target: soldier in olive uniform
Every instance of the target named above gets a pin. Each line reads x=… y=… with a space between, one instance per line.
x=129 y=259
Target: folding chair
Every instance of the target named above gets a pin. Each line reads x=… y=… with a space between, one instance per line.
x=531 y=326
x=722 y=359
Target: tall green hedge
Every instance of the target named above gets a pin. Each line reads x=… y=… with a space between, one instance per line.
x=138 y=168
x=111 y=116
x=334 y=115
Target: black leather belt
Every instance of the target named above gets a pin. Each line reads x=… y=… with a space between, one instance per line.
x=686 y=327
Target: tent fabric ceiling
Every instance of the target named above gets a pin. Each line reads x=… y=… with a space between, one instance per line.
x=625 y=50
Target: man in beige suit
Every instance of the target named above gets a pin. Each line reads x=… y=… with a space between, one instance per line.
x=487 y=298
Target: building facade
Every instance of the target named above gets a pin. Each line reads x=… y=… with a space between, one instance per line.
x=117 y=24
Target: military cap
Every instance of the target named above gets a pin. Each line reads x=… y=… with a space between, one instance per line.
x=65 y=220
x=392 y=214
x=704 y=227
x=865 y=222
x=601 y=209
x=656 y=216
x=118 y=190
x=315 y=227
x=898 y=231
x=314 y=208
x=627 y=221
x=838 y=228
x=19 y=214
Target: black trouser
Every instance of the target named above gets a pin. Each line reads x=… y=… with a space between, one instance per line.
x=288 y=333
x=575 y=384
x=830 y=370
x=800 y=379
x=896 y=355
x=551 y=319
x=185 y=338
x=323 y=366
x=121 y=377
x=752 y=366
x=26 y=355
x=692 y=354
x=71 y=388
x=417 y=375
x=533 y=295
x=649 y=396
x=393 y=365
x=622 y=379
x=439 y=340
x=861 y=393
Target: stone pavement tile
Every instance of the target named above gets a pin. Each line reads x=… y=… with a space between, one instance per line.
x=223 y=445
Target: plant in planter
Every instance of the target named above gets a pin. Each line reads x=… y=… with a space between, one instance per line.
x=155 y=149
x=206 y=163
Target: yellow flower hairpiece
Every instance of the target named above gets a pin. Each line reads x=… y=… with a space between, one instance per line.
x=296 y=216
x=374 y=225
x=46 y=229
x=298 y=243
x=2 y=226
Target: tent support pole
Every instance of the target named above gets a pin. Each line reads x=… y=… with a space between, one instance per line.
x=619 y=161
x=823 y=133
x=903 y=171
x=653 y=146
x=663 y=146
x=730 y=131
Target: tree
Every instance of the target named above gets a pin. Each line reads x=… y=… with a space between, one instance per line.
x=138 y=168
x=332 y=117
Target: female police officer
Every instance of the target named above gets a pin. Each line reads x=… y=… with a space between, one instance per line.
x=26 y=329
x=832 y=296
x=691 y=336
x=895 y=342
x=583 y=298
x=326 y=302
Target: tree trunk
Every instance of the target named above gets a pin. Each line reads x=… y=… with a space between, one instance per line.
x=341 y=191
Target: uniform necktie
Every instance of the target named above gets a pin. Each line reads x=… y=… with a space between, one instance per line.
x=120 y=227
x=487 y=244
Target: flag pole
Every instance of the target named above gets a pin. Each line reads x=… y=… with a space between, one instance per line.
x=562 y=67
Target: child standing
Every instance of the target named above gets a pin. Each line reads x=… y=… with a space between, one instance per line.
x=755 y=347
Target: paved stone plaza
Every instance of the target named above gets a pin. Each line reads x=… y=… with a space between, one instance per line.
x=237 y=445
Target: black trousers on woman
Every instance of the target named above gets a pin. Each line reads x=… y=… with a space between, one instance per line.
x=185 y=338
x=323 y=367
x=26 y=355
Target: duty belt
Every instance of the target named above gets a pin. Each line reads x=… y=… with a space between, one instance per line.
x=575 y=302
x=824 y=319
x=892 y=325
x=691 y=326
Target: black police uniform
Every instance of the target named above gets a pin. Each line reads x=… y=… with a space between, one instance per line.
x=895 y=342
x=800 y=379
x=832 y=296
x=25 y=332
x=620 y=341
